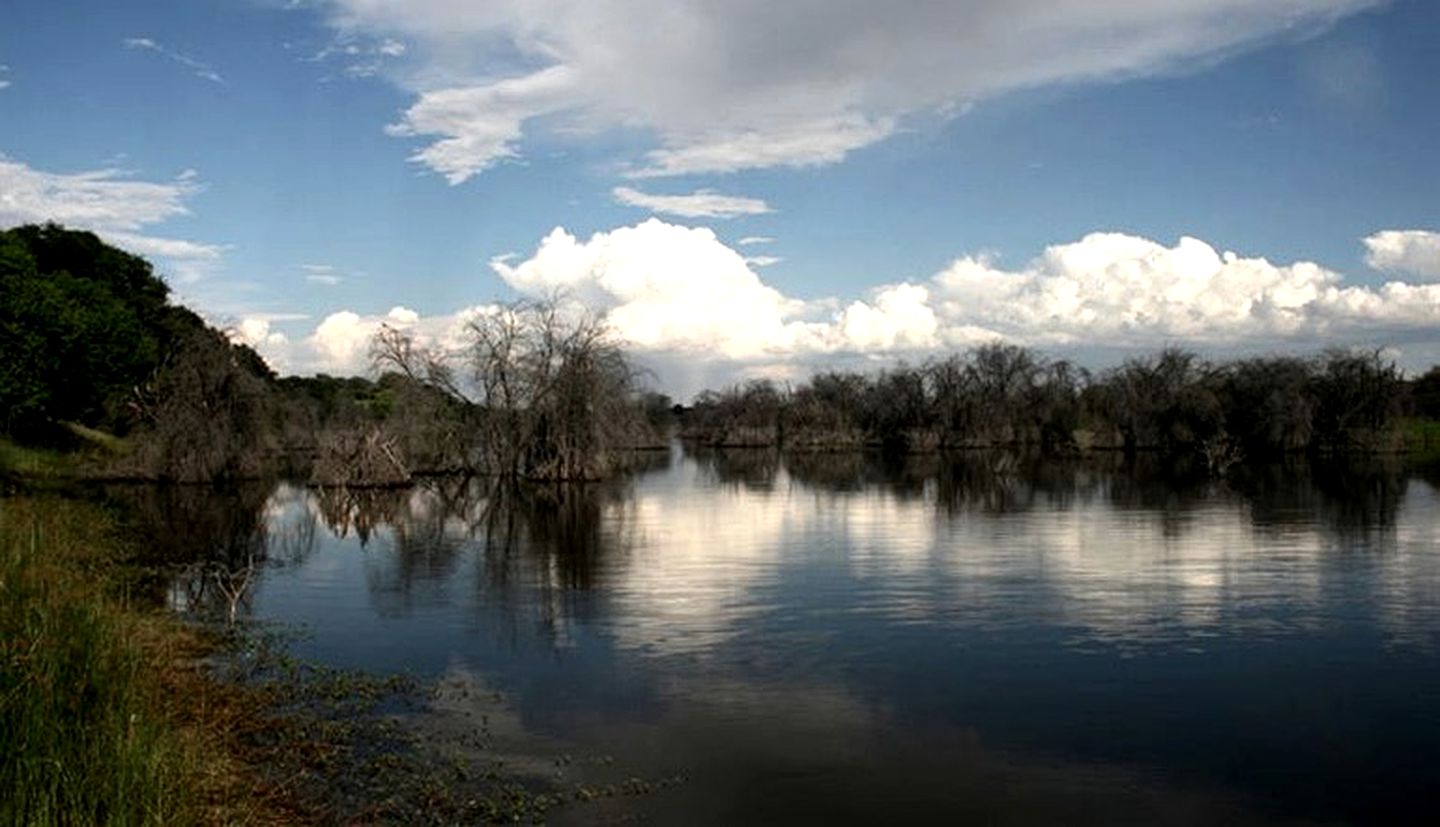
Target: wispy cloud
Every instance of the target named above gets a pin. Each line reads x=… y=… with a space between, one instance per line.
x=762 y=261
x=722 y=87
x=199 y=68
x=321 y=274
x=699 y=204
x=359 y=58
x=112 y=205
x=755 y=239
x=4 y=70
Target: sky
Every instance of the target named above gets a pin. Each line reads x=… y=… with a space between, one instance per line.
x=753 y=187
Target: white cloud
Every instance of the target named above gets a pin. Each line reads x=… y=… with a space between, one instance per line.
x=809 y=143
x=699 y=204
x=664 y=286
x=111 y=205
x=481 y=125
x=343 y=339
x=755 y=239
x=201 y=70
x=256 y=333
x=762 y=261
x=685 y=303
x=899 y=317
x=670 y=287
x=754 y=83
x=1116 y=289
x=359 y=58
x=1416 y=252
x=102 y=198
x=340 y=343
x=321 y=274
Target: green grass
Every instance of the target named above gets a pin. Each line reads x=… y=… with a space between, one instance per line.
x=20 y=461
x=83 y=735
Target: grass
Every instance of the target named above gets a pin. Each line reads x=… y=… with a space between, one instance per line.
x=20 y=461
x=90 y=448
x=112 y=712
x=82 y=741
x=105 y=714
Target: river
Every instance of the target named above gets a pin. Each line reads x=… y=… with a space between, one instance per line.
x=844 y=638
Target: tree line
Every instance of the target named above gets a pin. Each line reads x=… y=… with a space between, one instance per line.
x=94 y=356
x=1003 y=395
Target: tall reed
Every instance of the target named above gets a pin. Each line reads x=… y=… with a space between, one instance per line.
x=83 y=739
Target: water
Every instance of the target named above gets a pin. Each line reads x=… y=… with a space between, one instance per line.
x=838 y=638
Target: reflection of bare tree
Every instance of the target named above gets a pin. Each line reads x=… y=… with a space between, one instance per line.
x=1351 y=494
x=361 y=510
x=566 y=529
x=546 y=546
x=550 y=537
x=753 y=468
x=994 y=481
x=830 y=471
x=189 y=531
x=1348 y=493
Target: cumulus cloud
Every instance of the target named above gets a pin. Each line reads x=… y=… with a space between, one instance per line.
x=684 y=302
x=669 y=287
x=699 y=204
x=339 y=344
x=664 y=286
x=753 y=83
x=1124 y=290
x=200 y=69
x=111 y=205
x=256 y=333
x=1413 y=252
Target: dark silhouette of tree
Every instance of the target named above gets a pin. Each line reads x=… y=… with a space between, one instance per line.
x=1425 y=394
x=1359 y=398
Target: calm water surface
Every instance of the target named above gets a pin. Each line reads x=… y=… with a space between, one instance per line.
x=837 y=638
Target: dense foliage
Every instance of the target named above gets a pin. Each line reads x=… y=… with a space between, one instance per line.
x=90 y=338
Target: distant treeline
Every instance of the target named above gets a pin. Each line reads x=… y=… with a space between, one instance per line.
x=1004 y=395
x=96 y=361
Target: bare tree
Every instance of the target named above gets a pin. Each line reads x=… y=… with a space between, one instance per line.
x=557 y=393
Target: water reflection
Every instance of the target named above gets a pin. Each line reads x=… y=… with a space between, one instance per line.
x=820 y=614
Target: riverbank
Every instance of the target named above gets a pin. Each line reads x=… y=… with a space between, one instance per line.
x=107 y=716
x=117 y=710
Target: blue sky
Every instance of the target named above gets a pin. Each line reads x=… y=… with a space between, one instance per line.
x=907 y=178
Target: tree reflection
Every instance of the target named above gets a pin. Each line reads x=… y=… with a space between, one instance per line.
x=751 y=468
x=522 y=538
x=1348 y=493
x=201 y=544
